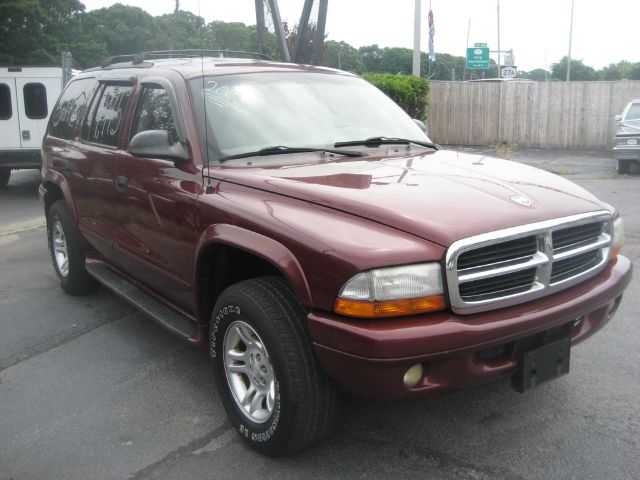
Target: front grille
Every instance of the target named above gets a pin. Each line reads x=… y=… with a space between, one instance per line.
x=502 y=252
x=519 y=264
x=572 y=266
x=508 y=284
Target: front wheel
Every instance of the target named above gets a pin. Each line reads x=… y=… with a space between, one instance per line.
x=5 y=174
x=268 y=379
x=623 y=167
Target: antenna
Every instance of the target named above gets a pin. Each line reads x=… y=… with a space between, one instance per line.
x=209 y=189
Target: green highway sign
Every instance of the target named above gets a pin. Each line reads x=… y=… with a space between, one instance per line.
x=478 y=58
x=479 y=45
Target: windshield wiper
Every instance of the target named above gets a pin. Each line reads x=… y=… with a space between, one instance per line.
x=625 y=124
x=377 y=141
x=282 y=150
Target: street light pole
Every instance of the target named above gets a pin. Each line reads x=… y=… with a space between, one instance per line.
x=570 y=38
x=498 y=76
x=416 y=40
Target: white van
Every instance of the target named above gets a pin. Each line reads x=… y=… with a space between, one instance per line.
x=27 y=95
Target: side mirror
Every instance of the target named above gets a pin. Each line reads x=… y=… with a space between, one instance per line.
x=156 y=144
x=618 y=118
x=422 y=125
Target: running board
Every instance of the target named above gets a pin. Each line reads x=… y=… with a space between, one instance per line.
x=168 y=318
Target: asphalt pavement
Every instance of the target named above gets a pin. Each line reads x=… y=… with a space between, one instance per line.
x=92 y=389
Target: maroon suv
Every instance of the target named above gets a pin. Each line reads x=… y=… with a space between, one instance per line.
x=299 y=224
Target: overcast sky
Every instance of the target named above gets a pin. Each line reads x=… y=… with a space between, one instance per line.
x=537 y=30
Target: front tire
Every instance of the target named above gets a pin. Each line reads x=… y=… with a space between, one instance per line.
x=623 y=167
x=268 y=379
x=66 y=251
x=5 y=175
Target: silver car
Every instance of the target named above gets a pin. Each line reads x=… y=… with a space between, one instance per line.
x=626 y=147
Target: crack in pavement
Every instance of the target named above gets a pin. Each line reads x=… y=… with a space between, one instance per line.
x=196 y=447
x=23 y=227
x=440 y=460
x=51 y=345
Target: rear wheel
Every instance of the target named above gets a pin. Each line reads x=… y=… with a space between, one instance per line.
x=5 y=174
x=623 y=167
x=66 y=251
x=268 y=379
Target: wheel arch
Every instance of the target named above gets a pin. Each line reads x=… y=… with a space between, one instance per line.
x=222 y=244
x=56 y=188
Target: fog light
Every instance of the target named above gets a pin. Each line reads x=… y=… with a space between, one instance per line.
x=413 y=376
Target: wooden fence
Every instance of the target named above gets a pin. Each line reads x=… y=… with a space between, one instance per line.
x=538 y=114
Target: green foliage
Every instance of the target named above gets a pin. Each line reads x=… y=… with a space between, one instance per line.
x=343 y=56
x=579 y=71
x=538 y=75
x=411 y=93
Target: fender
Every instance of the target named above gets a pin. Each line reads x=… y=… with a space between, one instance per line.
x=261 y=246
x=57 y=179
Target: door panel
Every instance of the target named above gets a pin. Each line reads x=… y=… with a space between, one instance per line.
x=36 y=98
x=157 y=225
x=9 y=127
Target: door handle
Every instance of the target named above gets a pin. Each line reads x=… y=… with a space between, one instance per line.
x=122 y=184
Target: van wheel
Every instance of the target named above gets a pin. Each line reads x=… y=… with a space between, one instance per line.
x=5 y=174
x=268 y=379
x=66 y=251
x=623 y=167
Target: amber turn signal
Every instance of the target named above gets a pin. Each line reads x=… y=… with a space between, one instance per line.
x=389 y=308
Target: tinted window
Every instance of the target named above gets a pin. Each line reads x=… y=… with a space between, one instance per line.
x=69 y=109
x=35 y=101
x=5 y=102
x=153 y=112
x=105 y=119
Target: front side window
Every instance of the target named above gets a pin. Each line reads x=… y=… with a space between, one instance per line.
x=154 y=112
x=66 y=113
x=104 y=122
x=5 y=102
x=35 y=101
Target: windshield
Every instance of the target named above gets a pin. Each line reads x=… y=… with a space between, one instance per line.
x=249 y=112
x=633 y=113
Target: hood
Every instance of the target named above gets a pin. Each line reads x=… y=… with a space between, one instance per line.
x=441 y=196
x=630 y=127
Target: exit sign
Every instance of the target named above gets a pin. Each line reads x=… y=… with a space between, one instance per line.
x=480 y=45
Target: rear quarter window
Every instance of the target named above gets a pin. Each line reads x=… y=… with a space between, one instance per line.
x=35 y=101
x=5 y=102
x=69 y=109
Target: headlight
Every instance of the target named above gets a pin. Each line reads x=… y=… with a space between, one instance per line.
x=618 y=237
x=392 y=292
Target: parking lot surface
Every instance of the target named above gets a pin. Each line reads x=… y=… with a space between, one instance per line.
x=92 y=389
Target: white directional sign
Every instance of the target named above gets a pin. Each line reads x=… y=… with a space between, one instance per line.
x=509 y=72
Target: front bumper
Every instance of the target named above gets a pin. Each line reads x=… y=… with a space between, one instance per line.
x=457 y=351
x=624 y=152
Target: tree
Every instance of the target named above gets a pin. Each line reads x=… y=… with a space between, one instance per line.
x=125 y=30
x=344 y=56
x=538 y=74
x=33 y=31
x=184 y=29
x=579 y=71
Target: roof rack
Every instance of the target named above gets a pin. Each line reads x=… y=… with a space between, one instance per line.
x=190 y=53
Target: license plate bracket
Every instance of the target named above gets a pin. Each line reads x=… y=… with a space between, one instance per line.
x=542 y=364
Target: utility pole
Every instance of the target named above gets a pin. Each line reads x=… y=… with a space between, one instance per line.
x=416 y=40
x=570 y=38
x=464 y=70
x=498 y=76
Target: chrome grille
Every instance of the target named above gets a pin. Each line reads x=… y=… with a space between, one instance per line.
x=519 y=264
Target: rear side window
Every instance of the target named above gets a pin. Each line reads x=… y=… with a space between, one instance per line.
x=154 y=112
x=104 y=122
x=68 y=111
x=35 y=101
x=5 y=102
